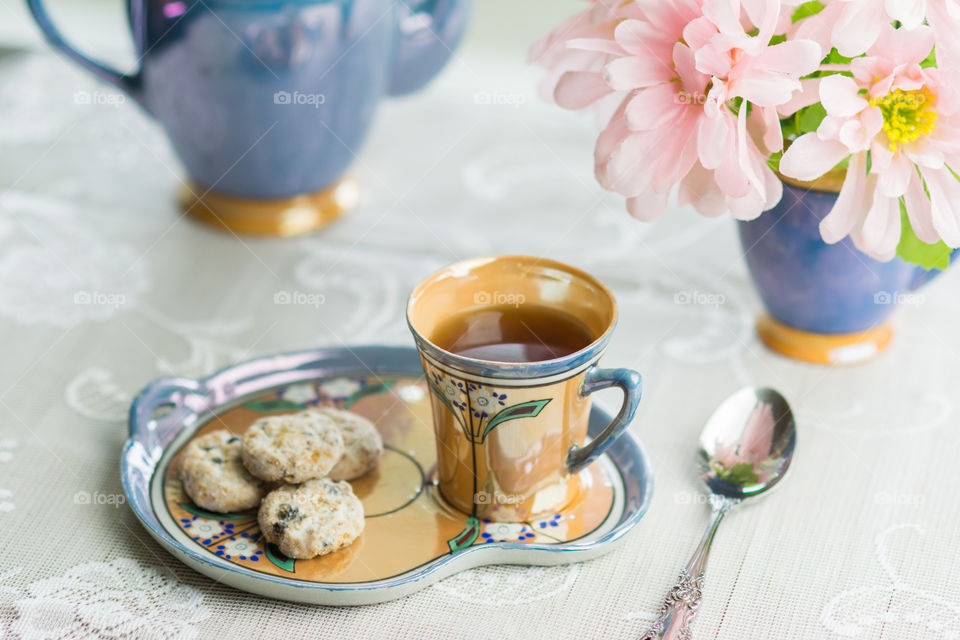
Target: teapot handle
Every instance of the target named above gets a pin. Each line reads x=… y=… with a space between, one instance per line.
x=427 y=33
x=128 y=82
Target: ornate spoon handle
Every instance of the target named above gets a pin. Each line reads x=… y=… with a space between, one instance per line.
x=680 y=605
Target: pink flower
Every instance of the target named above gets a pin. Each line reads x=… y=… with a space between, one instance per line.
x=581 y=86
x=687 y=70
x=909 y=122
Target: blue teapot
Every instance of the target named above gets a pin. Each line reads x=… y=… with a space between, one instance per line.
x=266 y=102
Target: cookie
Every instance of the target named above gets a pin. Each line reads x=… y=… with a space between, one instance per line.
x=311 y=519
x=293 y=447
x=362 y=444
x=213 y=474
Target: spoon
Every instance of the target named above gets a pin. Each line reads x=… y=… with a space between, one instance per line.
x=745 y=449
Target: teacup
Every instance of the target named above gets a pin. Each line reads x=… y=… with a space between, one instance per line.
x=510 y=435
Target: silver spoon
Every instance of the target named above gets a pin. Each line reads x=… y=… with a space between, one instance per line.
x=745 y=449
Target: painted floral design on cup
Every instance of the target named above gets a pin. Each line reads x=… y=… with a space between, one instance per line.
x=454 y=391
x=479 y=408
x=484 y=402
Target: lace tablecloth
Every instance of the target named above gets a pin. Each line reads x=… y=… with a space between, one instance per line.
x=104 y=286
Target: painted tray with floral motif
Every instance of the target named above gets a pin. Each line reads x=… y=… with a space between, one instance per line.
x=410 y=539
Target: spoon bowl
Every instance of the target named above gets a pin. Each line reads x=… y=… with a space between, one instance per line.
x=747 y=444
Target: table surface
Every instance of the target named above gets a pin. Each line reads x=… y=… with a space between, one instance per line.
x=105 y=286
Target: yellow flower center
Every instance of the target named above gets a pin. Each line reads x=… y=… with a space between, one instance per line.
x=907 y=115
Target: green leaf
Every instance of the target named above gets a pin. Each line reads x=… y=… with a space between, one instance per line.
x=272 y=405
x=774 y=160
x=466 y=537
x=189 y=508
x=368 y=390
x=915 y=251
x=809 y=118
x=931 y=60
x=277 y=558
x=742 y=474
x=523 y=410
x=835 y=57
x=807 y=9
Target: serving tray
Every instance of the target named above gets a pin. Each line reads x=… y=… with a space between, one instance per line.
x=411 y=539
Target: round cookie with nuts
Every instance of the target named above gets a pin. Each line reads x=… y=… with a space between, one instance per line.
x=293 y=447
x=312 y=519
x=214 y=477
x=362 y=444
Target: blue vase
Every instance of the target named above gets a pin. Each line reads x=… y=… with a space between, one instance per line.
x=825 y=303
x=267 y=102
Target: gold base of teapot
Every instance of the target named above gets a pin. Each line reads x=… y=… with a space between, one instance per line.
x=281 y=217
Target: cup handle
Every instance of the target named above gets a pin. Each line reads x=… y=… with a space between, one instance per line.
x=597 y=379
x=129 y=83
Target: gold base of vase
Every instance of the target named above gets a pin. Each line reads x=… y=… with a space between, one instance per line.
x=281 y=217
x=821 y=348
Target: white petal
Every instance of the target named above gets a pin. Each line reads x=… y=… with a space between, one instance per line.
x=893 y=182
x=944 y=200
x=909 y=12
x=859 y=26
x=809 y=94
x=712 y=138
x=648 y=207
x=748 y=165
x=840 y=96
x=653 y=107
x=809 y=157
x=579 y=89
x=851 y=203
x=918 y=210
x=699 y=189
x=881 y=229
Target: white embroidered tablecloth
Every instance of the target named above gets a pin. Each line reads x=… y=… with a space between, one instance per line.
x=104 y=286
